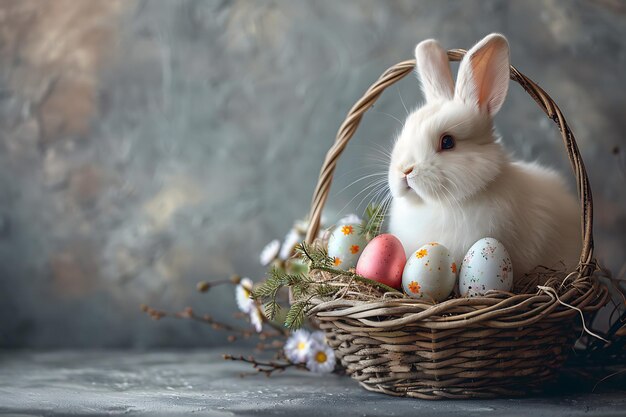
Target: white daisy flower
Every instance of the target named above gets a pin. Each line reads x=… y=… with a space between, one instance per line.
x=291 y=240
x=243 y=291
x=350 y=219
x=269 y=252
x=319 y=337
x=321 y=359
x=297 y=346
x=256 y=318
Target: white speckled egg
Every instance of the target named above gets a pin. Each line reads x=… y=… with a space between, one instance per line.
x=486 y=266
x=430 y=272
x=345 y=245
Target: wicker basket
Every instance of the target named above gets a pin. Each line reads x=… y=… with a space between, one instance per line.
x=497 y=345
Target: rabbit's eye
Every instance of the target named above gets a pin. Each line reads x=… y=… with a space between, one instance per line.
x=447 y=142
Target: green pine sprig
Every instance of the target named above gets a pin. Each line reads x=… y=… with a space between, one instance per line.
x=314 y=255
x=297 y=314
x=303 y=287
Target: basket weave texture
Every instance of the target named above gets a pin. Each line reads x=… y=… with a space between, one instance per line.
x=501 y=344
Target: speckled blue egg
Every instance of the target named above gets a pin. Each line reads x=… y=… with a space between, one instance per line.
x=486 y=266
x=345 y=245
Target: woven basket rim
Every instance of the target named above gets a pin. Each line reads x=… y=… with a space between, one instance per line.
x=580 y=293
x=497 y=309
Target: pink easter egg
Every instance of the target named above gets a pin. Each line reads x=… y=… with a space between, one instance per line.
x=383 y=260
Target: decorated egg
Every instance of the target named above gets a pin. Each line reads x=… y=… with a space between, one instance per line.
x=345 y=245
x=383 y=260
x=486 y=266
x=430 y=272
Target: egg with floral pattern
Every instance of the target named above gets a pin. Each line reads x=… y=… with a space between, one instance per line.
x=345 y=245
x=486 y=266
x=430 y=273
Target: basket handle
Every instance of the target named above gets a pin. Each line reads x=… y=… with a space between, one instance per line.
x=399 y=71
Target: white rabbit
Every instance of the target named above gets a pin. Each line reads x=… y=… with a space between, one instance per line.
x=452 y=181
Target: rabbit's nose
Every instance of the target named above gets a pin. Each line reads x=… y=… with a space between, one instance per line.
x=407 y=171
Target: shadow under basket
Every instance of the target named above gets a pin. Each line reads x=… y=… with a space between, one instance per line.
x=501 y=344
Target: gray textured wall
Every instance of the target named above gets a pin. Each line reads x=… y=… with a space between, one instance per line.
x=148 y=145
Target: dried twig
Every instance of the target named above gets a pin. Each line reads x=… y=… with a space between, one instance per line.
x=189 y=314
x=267 y=368
x=205 y=286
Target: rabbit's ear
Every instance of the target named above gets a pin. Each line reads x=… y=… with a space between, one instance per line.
x=433 y=70
x=484 y=74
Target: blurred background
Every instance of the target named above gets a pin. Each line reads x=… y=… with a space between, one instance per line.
x=149 y=145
